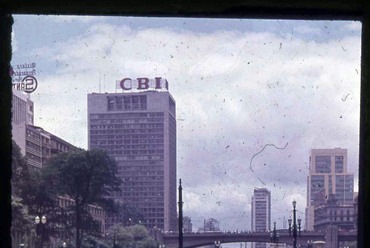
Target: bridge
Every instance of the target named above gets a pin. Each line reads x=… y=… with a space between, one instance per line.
x=332 y=236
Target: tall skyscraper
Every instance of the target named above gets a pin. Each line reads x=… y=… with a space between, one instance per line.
x=261 y=213
x=327 y=175
x=138 y=129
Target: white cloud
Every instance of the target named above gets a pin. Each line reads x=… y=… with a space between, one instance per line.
x=235 y=92
x=72 y=18
x=14 y=43
x=354 y=26
x=307 y=30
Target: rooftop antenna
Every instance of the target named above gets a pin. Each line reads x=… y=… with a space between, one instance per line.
x=99 y=82
x=104 y=82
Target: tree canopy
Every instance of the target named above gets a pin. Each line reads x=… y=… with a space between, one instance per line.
x=86 y=177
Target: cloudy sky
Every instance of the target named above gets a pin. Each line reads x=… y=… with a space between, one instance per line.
x=241 y=87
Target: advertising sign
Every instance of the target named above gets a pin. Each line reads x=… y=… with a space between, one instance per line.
x=143 y=83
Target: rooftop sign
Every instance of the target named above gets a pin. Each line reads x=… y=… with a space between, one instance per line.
x=23 y=77
x=138 y=84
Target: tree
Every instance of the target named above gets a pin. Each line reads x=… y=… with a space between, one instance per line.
x=31 y=197
x=86 y=177
x=136 y=236
x=22 y=221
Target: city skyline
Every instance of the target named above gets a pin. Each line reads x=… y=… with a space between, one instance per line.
x=236 y=98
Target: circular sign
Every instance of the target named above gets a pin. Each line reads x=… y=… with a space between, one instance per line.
x=30 y=84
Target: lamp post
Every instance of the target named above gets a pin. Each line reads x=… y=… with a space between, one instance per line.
x=64 y=245
x=274 y=236
x=217 y=244
x=294 y=225
x=309 y=243
x=40 y=224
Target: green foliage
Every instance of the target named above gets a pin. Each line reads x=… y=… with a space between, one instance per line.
x=85 y=177
x=21 y=219
x=126 y=214
x=136 y=236
x=21 y=177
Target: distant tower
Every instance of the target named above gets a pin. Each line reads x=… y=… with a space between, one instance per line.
x=327 y=175
x=261 y=213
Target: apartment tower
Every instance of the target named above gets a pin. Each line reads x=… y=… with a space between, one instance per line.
x=261 y=213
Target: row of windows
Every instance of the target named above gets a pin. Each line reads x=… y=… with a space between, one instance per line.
x=142 y=173
x=109 y=124
x=158 y=128
x=158 y=166
x=116 y=103
x=129 y=136
x=141 y=152
x=125 y=115
x=32 y=146
x=33 y=157
x=33 y=134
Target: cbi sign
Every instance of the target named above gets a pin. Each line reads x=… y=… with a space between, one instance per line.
x=142 y=83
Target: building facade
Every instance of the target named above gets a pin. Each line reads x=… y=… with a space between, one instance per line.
x=261 y=213
x=139 y=131
x=332 y=213
x=36 y=144
x=327 y=175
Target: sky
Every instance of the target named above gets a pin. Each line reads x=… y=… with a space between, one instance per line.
x=252 y=96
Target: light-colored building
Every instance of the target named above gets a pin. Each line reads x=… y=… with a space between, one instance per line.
x=22 y=108
x=36 y=144
x=332 y=213
x=327 y=175
x=139 y=131
x=22 y=115
x=261 y=213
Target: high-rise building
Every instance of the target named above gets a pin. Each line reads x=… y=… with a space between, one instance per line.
x=139 y=131
x=327 y=175
x=261 y=213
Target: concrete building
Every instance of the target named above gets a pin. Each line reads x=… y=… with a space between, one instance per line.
x=139 y=131
x=261 y=213
x=97 y=213
x=36 y=144
x=332 y=213
x=327 y=175
x=22 y=108
x=211 y=225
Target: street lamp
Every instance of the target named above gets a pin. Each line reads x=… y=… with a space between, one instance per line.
x=290 y=226
x=64 y=245
x=40 y=225
x=294 y=225
x=217 y=244
x=274 y=236
x=309 y=243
